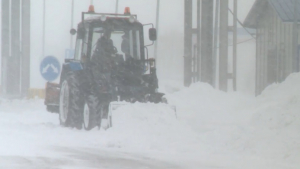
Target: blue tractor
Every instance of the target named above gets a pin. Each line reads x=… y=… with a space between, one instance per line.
x=110 y=66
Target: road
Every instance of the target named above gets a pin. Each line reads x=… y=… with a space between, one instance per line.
x=83 y=159
x=31 y=138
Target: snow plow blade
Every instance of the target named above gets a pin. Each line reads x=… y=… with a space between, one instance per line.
x=113 y=106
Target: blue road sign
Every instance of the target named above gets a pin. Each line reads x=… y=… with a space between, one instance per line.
x=50 y=68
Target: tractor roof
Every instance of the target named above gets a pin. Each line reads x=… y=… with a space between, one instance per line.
x=103 y=17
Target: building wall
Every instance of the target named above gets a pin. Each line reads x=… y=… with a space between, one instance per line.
x=274 y=60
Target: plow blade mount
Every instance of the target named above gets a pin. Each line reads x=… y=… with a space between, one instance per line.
x=113 y=106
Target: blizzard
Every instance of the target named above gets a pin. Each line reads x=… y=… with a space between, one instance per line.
x=210 y=129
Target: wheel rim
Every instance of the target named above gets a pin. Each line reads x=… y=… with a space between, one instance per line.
x=64 y=102
x=86 y=115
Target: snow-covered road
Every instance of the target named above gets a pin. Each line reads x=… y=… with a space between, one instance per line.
x=83 y=159
x=212 y=130
x=32 y=138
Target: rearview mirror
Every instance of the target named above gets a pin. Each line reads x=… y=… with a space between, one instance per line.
x=152 y=34
x=73 y=31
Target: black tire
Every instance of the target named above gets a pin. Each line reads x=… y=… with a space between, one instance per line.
x=91 y=113
x=71 y=102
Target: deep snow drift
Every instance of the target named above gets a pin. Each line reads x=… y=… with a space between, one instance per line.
x=212 y=129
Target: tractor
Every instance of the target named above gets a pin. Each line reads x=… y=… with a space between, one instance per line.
x=86 y=93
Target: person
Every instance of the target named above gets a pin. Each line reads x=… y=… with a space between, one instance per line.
x=104 y=51
x=125 y=46
x=102 y=60
x=105 y=46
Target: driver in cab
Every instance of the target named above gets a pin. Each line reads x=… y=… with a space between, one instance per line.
x=104 y=51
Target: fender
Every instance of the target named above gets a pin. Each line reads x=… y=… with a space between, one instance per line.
x=70 y=65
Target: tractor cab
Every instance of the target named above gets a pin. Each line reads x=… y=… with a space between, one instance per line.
x=126 y=34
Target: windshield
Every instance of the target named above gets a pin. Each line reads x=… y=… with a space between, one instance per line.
x=125 y=43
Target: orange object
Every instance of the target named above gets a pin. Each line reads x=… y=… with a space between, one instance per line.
x=91 y=8
x=127 y=11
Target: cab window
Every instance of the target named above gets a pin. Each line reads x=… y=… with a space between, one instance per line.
x=81 y=45
x=132 y=48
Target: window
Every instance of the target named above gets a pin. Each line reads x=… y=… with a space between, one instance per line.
x=138 y=47
x=78 y=49
x=127 y=44
x=85 y=44
x=81 y=45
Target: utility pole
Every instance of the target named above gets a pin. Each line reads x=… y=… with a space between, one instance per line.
x=157 y=28
x=188 y=6
x=223 y=50
x=216 y=37
x=5 y=43
x=14 y=73
x=72 y=23
x=234 y=74
x=117 y=6
x=44 y=27
x=295 y=37
x=25 y=68
x=207 y=41
x=198 y=41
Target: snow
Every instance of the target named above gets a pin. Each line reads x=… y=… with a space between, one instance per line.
x=211 y=129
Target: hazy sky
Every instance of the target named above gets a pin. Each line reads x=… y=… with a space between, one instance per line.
x=58 y=23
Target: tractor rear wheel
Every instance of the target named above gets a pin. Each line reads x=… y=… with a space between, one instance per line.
x=71 y=102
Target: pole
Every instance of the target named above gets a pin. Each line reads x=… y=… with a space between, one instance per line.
x=72 y=23
x=92 y=2
x=25 y=69
x=157 y=28
x=198 y=76
x=188 y=6
x=234 y=45
x=216 y=37
x=207 y=41
x=295 y=37
x=117 y=6
x=257 y=73
x=223 y=50
x=5 y=41
x=14 y=73
x=44 y=27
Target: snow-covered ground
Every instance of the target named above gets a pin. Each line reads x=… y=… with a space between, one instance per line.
x=211 y=129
